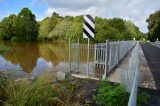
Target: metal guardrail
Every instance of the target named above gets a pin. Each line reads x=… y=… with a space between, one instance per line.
x=133 y=77
x=110 y=54
x=103 y=57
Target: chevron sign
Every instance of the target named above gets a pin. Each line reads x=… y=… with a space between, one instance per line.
x=88 y=26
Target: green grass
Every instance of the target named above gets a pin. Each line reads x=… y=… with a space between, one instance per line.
x=37 y=92
x=26 y=93
x=108 y=95
x=41 y=92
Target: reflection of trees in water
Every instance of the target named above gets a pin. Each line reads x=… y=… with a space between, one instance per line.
x=54 y=52
x=25 y=54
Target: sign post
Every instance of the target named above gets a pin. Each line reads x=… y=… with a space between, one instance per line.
x=88 y=32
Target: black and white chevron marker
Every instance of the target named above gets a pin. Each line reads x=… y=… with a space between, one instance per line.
x=88 y=26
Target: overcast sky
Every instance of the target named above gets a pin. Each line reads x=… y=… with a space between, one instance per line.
x=134 y=10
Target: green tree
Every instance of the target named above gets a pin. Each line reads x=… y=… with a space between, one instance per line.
x=78 y=19
x=48 y=24
x=154 y=26
x=59 y=32
x=26 y=25
x=74 y=32
x=7 y=27
x=103 y=31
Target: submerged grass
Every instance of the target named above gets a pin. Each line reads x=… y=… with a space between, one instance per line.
x=4 y=48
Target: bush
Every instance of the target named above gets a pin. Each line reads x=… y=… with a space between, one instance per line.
x=111 y=96
x=17 y=38
x=143 y=98
x=108 y=95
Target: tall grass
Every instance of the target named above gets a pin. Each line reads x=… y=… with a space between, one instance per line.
x=38 y=92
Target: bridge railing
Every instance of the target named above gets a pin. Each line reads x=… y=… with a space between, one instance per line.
x=133 y=77
x=103 y=57
x=130 y=75
x=109 y=54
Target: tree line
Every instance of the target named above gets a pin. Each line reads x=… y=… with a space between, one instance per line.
x=24 y=27
x=58 y=27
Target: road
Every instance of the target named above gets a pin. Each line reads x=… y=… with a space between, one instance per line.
x=152 y=55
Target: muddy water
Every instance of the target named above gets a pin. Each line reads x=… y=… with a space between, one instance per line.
x=30 y=59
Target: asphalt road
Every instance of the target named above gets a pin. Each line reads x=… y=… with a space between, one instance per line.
x=152 y=54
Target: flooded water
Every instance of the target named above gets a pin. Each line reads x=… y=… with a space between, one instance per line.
x=30 y=59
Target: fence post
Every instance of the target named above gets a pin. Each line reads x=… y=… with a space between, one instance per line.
x=106 y=61
x=78 y=54
x=69 y=55
x=109 y=57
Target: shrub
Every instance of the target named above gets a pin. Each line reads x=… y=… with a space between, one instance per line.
x=143 y=98
x=111 y=96
x=108 y=95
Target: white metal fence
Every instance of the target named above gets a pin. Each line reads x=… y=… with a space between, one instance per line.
x=103 y=57
x=133 y=77
x=130 y=76
x=109 y=54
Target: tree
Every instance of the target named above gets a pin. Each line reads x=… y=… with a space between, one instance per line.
x=74 y=32
x=54 y=14
x=7 y=27
x=154 y=26
x=59 y=32
x=48 y=24
x=26 y=25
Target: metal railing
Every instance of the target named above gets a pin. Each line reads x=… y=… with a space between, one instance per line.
x=109 y=54
x=103 y=57
x=133 y=77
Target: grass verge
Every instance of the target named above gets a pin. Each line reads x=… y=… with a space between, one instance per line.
x=75 y=92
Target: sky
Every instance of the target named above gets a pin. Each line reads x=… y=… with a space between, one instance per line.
x=135 y=10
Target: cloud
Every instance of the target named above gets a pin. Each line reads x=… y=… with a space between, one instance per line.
x=135 y=10
x=62 y=11
x=36 y=2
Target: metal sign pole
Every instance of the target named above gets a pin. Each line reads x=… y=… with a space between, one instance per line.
x=69 y=55
x=88 y=32
x=78 y=53
x=88 y=59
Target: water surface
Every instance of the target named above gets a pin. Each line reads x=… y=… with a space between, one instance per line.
x=30 y=59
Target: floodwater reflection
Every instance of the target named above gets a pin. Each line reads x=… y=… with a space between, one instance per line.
x=32 y=58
